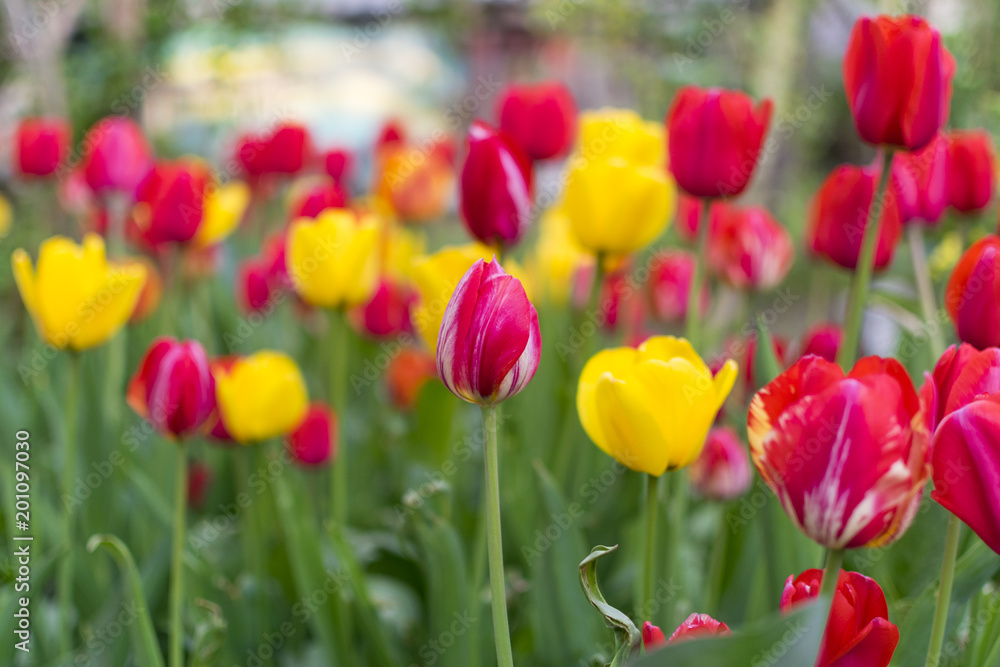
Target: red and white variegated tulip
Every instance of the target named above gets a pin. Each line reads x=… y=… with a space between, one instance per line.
x=489 y=344
x=847 y=456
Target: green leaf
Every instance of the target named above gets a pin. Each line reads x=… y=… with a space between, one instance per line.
x=627 y=636
x=766 y=366
x=144 y=644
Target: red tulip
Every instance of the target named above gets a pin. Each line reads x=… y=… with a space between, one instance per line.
x=943 y=393
x=387 y=313
x=747 y=247
x=670 y=284
x=117 y=156
x=199 y=481
x=714 y=137
x=313 y=442
x=722 y=470
x=317 y=198
x=747 y=357
x=839 y=215
x=253 y=288
x=858 y=633
x=652 y=636
x=846 y=456
x=407 y=374
x=173 y=387
x=897 y=76
x=41 y=145
x=926 y=172
x=972 y=296
x=391 y=134
x=489 y=344
x=170 y=203
x=285 y=150
x=338 y=163
x=496 y=187
x=971 y=170
x=823 y=340
x=689 y=213
x=540 y=117
x=693 y=627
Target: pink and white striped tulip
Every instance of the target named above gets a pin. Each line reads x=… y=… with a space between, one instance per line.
x=489 y=344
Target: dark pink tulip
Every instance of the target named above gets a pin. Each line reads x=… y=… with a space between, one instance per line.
x=489 y=344
x=387 y=313
x=747 y=247
x=972 y=296
x=689 y=213
x=338 y=163
x=971 y=170
x=170 y=203
x=317 y=198
x=823 y=340
x=117 y=156
x=253 y=290
x=670 y=284
x=40 y=146
x=287 y=149
x=924 y=196
x=495 y=195
x=698 y=625
x=722 y=470
x=714 y=138
x=173 y=387
x=313 y=442
x=976 y=368
x=540 y=117
x=897 y=76
x=652 y=636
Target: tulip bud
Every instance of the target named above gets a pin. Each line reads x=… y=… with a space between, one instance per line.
x=897 y=76
x=253 y=289
x=41 y=145
x=747 y=247
x=387 y=313
x=540 y=117
x=199 y=481
x=971 y=294
x=652 y=636
x=407 y=374
x=313 y=442
x=261 y=396
x=847 y=457
x=496 y=187
x=690 y=211
x=117 y=156
x=927 y=170
x=698 y=625
x=170 y=205
x=285 y=150
x=823 y=340
x=957 y=361
x=173 y=387
x=715 y=137
x=971 y=170
x=489 y=345
x=670 y=286
x=858 y=631
x=722 y=470
x=338 y=164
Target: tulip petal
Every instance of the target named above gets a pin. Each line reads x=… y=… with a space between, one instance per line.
x=615 y=362
x=24 y=277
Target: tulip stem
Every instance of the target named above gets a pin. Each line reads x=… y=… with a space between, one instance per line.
x=65 y=575
x=828 y=586
x=944 y=591
x=338 y=369
x=652 y=506
x=925 y=288
x=692 y=322
x=858 y=297
x=176 y=652
x=498 y=594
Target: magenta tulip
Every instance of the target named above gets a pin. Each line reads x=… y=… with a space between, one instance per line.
x=540 y=117
x=971 y=170
x=972 y=296
x=41 y=145
x=117 y=156
x=313 y=442
x=173 y=387
x=923 y=179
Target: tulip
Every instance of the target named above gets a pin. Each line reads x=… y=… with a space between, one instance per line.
x=897 y=76
x=745 y=352
x=559 y=258
x=651 y=407
x=971 y=296
x=693 y=627
x=173 y=387
x=976 y=369
x=652 y=636
x=839 y=215
x=722 y=470
x=747 y=247
x=846 y=456
x=495 y=195
x=618 y=303
x=117 y=156
x=715 y=139
x=253 y=285
x=199 y=480
x=670 y=284
x=332 y=260
x=540 y=117
x=224 y=207
x=76 y=298
x=6 y=216
x=416 y=182
x=606 y=134
x=285 y=150
x=317 y=197
x=927 y=171
x=171 y=200
x=41 y=145
x=261 y=396
x=489 y=344
x=823 y=340
x=406 y=376
x=338 y=164
x=313 y=442
x=690 y=211
x=971 y=170
x=859 y=631
x=387 y=313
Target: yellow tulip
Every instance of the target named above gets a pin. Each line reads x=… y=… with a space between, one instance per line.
x=333 y=259
x=558 y=257
x=622 y=133
x=76 y=298
x=6 y=216
x=224 y=208
x=400 y=247
x=616 y=207
x=651 y=408
x=261 y=396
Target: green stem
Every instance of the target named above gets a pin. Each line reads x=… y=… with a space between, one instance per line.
x=928 y=305
x=69 y=468
x=944 y=591
x=717 y=561
x=652 y=505
x=862 y=274
x=498 y=595
x=692 y=323
x=338 y=377
x=176 y=653
x=828 y=587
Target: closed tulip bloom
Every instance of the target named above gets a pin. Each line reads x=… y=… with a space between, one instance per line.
x=40 y=146
x=495 y=194
x=223 y=210
x=651 y=407
x=253 y=284
x=722 y=470
x=928 y=172
x=839 y=214
x=670 y=284
x=338 y=164
x=846 y=456
x=689 y=215
x=715 y=137
x=170 y=206
x=976 y=368
x=823 y=340
x=387 y=313
x=117 y=156
x=261 y=396
x=489 y=345
x=313 y=442
x=859 y=631
x=173 y=387
x=608 y=133
x=541 y=118
x=972 y=296
x=312 y=198
x=971 y=170
x=897 y=76
x=76 y=298
x=288 y=149
x=747 y=247
x=694 y=626
x=333 y=260
x=406 y=376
